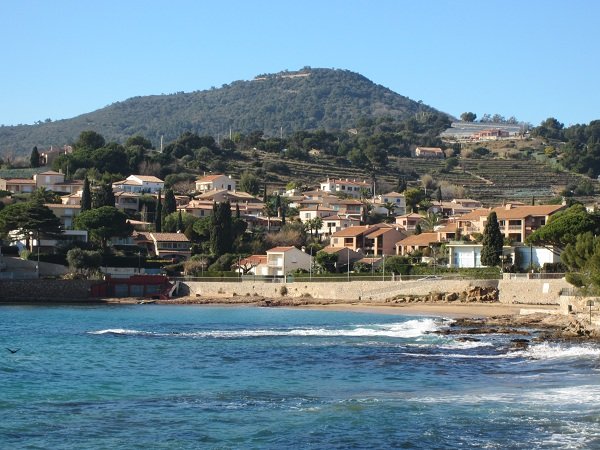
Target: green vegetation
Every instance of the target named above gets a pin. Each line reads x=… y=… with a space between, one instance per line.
x=315 y=99
x=492 y=242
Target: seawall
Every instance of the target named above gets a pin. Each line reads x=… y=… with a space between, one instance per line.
x=42 y=290
x=520 y=291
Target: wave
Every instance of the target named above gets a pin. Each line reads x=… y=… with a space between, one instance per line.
x=554 y=351
x=409 y=329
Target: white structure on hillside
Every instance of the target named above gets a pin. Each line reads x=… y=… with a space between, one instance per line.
x=139 y=184
x=215 y=182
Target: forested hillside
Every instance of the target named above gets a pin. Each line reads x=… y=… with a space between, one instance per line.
x=274 y=104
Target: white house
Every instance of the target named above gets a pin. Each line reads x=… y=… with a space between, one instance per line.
x=392 y=203
x=139 y=184
x=468 y=255
x=215 y=182
x=284 y=260
x=352 y=188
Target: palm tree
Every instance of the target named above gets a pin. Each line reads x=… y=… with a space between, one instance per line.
x=430 y=221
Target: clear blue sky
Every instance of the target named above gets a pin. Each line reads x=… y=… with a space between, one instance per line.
x=531 y=59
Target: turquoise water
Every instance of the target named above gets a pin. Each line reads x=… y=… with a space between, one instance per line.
x=178 y=377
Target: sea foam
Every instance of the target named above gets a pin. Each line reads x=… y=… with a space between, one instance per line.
x=409 y=329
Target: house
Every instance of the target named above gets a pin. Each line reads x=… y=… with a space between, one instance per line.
x=55 y=181
x=253 y=265
x=127 y=201
x=345 y=256
x=337 y=222
x=66 y=213
x=312 y=212
x=223 y=195
x=166 y=245
x=468 y=254
x=19 y=185
x=139 y=184
x=516 y=221
x=352 y=188
x=47 y=157
x=284 y=260
x=429 y=152
x=379 y=239
x=215 y=182
x=455 y=207
x=416 y=242
x=490 y=134
x=392 y=203
x=409 y=222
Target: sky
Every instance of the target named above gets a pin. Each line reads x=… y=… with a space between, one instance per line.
x=530 y=59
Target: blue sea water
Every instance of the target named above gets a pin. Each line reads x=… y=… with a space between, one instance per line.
x=180 y=377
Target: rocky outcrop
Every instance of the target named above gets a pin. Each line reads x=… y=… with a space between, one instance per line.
x=473 y=294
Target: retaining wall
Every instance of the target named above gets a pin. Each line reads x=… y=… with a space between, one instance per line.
x=45 y=290
x=531 y=292
x=519 y=291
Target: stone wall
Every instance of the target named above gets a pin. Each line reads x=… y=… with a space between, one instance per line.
x=514 y=291
x=579 y=307
x=350 y=291
x=45 y=290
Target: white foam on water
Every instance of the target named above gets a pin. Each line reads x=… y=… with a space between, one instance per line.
x=118 y=331
x=409 y=329
x=554 y=351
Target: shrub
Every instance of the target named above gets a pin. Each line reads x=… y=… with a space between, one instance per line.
x=283 y=291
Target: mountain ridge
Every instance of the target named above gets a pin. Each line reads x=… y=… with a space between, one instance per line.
x=283 y=102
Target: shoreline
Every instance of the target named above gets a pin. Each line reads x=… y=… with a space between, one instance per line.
x=540 y=323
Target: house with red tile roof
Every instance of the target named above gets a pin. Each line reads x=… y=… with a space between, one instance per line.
x=379 y=239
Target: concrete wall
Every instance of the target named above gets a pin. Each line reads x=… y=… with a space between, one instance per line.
x=580 y=307
x=531 y=292
x=45 y=290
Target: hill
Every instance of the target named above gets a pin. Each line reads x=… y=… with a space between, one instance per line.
x=285 y=102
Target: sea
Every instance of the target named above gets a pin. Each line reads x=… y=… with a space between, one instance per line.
x=187 y=376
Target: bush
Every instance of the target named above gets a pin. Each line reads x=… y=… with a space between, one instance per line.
x=283 y=291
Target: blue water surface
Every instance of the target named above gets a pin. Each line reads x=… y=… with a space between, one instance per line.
x=179 y=377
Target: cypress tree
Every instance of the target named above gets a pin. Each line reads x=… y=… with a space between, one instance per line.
x=492 y=242
x=221 y=233
x=158 y=213
x=34 y=159
x=86 y=196
x=180 y=227
x=104 y=196
x=170 y=202
x=237 y=210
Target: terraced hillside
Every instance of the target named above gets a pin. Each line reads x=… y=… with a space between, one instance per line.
x=490 y=181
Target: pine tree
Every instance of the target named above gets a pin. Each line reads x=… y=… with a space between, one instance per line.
x=158 y=213
x=492 y=242
x=86 y=196
x=34 y=159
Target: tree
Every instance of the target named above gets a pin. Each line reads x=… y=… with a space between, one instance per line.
x=30 y=220
x=468 y=117
x=413 y=197
x=221 y=238
x=492 y=242
x=89 y=140
x=180 y=225
x=582 y=259
x=103 y=223
x=327 y=261
x=34 y=159
x=42 y=195
x=83 y=261
x=86 y=196
x=564 y=226
x=104 y=196
x=249 y=183
x=158 y=213
x=170 y=204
